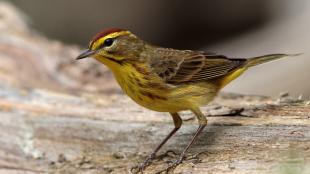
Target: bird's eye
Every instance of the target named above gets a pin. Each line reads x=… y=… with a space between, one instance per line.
x=108 y=42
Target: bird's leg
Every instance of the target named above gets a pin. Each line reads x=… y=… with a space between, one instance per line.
x=177 y=123
x=202 y=124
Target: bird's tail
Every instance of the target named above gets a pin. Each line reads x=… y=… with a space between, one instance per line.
x=249 y=63
x=266 y=58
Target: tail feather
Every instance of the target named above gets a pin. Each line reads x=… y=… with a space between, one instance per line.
x=249 y=63
x=266 y=58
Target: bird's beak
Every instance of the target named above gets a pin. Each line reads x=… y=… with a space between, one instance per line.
x=85 y=54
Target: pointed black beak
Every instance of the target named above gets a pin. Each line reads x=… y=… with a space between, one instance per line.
x=85 y=54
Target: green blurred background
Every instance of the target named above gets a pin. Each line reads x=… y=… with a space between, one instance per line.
x=238 y=28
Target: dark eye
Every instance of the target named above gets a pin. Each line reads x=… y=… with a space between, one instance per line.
x=108 y=42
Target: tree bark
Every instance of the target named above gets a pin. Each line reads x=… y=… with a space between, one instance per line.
x=62 y=116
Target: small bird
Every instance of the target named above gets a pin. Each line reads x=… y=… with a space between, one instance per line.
x=165 y=79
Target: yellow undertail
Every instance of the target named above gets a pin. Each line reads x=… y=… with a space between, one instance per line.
x=230 y=77
x=249 y=63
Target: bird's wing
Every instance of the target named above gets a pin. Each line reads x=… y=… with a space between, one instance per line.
x=195 y=67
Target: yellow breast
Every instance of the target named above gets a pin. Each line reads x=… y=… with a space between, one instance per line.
x=144 y=88
x=149 y=91
x=152 y=93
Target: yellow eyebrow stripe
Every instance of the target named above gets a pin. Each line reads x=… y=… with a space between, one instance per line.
x=97 y=43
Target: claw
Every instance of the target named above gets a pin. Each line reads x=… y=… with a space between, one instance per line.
x=142 y=166
x=168 y=153
x=172 y=166
x=148 y=161
x=195 y=157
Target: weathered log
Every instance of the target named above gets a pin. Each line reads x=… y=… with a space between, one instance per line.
x=60 y=116
x=47 y=131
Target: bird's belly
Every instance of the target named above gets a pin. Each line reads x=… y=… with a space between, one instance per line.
x=154 y=94
x=172 y=100
x=164 y=105
x=158 y=101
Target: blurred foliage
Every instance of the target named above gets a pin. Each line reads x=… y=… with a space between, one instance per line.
x=181 y=24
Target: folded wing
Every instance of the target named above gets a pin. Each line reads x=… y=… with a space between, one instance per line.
x=195 y=67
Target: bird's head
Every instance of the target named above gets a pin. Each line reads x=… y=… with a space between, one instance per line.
x=113 y=45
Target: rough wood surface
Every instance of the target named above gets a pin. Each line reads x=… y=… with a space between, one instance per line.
x=61 y=116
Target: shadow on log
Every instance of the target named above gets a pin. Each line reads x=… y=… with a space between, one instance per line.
x=60 y=116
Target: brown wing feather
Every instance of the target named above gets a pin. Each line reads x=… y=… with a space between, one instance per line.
x=194 y=67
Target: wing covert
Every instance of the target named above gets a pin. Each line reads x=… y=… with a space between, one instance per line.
x=194 y=67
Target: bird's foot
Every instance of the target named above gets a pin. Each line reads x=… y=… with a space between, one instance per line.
x=195 y=158
x=140 y=167
x=172 y=166
x=168 y=153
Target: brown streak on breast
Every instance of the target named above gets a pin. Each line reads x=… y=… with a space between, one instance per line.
x=152 y=96
x=141 y=70
x=156 y=85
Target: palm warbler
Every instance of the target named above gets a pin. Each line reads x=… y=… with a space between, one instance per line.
x=167 y=80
